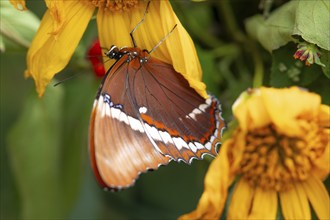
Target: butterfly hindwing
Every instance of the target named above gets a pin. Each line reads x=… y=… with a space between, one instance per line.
x=119 y=148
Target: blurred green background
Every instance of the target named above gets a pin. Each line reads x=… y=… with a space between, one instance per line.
x=45 y=170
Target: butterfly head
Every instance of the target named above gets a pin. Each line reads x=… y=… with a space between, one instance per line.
x=114 y=53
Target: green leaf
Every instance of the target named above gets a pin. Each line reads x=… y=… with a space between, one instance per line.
x=275 y=31
x=325 y=59
x=313 y=22
x=308 y=19
x=17 y=27
x=78 y=104
x=287 y=71
x=321 y=87
x=2 y=44
x=196 y=26
x=34 y=151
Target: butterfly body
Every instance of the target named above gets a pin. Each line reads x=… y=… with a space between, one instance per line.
x=145 y=114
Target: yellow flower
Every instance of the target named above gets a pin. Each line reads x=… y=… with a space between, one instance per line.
x=275 y=160
x=64 y=23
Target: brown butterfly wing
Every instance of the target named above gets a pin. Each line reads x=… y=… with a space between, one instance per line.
x=118 y=152
x=182 y=123
x=144 y=116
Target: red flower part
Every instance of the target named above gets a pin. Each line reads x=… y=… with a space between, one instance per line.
x=99 y=69
x=309 y=53
x=94 y=55
x=305 y=55
x=298 y=53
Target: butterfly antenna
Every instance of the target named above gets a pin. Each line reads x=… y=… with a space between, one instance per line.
x=106 y=60
x=162 y=40
x=142 y=20
x=66 y=79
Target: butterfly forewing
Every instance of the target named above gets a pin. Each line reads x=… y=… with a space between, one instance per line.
x=120 y=150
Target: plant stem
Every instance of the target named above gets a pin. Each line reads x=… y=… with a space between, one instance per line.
x=258 y=67
x=230 y=22
x=233 y=30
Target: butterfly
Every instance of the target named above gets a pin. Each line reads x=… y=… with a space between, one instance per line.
x=145 y=115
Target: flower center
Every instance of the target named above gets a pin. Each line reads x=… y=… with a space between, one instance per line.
x=115 y=5
x=275 y=161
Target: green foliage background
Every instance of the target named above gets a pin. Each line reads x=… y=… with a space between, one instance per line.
x=45 y=171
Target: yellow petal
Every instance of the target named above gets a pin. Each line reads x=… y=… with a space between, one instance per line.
x=237 y=150
x=181 y=49
x=217 y=180
x=241 y=113
x=114 y=29
x=50 y=53
x=241 y=201
x=264 y=204
x=294 y=203
x=324 y=116
x=58 y=11
x=250 y=111
x=150 y=32
x=285 y=105
x=318 y=196
x=258 y=113
x=178 y=48
x=321 y=164
x=18 y=4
